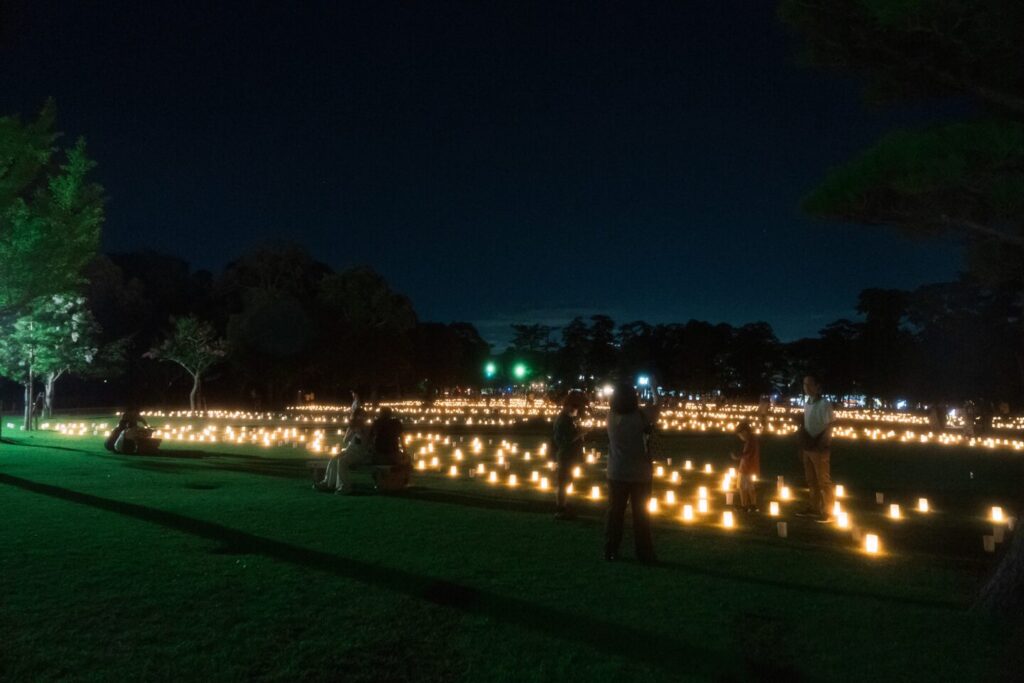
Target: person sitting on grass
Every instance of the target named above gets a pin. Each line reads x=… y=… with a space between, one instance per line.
x=132 y=435
x=750 y=466
x=567 y=448
x=630 y=471
x=355 y=451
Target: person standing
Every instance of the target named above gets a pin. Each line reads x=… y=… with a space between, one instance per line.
x=815 y=451
x=567 y=448
x=630 y=471
x=750 y=466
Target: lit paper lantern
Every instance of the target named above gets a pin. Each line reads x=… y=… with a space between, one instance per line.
x=894 y=511
x=595 y=492
x=702 y=505
x=652 y=505
x=687 y=513
x=843 y=520
x=773 y=508
x=871 y=543
x=922 y=505
x=727 y=520
x=840 y=491
x=997 y=514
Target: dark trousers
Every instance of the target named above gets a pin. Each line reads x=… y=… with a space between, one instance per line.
x=636 y=494
x=563 y=477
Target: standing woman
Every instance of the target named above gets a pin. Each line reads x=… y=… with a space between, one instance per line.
x=629 y=471
x=567 y=439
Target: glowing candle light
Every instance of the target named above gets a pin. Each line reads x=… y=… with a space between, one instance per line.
x=894 y=511
x=687 y=513
x=513 y=480
x=659 y=471
x=836 y=507
x=421 y=465
x=688 y=465
x=707 y=469
x=595 y=492
x=784 y=493
x=702 y=492
x=674 y=478
x=997 y=513
x=544 y=484
x=702 y=505
x=773 y=508
x=577 y=471
x=492 y=477
x=570 y=489
x=453 y=471
x=652 y=505
x=732 y=471
x=670 y=498
x=840 y=491
x=480 y=468
x=922 y=505
x=535 y=476
x=727 y=520
x=843 y=520
x=871 y=543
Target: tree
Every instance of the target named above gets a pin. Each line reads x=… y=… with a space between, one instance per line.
x=194 y=345
x=374 y=324
x=965 y=177
x=50 y=213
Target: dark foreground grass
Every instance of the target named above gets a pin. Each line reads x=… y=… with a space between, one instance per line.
x=222 y=564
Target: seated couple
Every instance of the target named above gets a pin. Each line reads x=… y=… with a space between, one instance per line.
x=378 y=445
x=132 y=435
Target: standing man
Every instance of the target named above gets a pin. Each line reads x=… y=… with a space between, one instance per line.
x=815 y=451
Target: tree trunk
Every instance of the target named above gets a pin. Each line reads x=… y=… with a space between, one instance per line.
x=28 y=399
x=197 y=387
x=48 y=389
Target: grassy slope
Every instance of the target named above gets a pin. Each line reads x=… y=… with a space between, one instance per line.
x=226 y=564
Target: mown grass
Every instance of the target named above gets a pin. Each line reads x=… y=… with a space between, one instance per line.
x=221 y=563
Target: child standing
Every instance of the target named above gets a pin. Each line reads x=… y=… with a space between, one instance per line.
x=750 y=466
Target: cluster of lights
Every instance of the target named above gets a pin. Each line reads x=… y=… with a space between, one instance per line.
x=503 y=464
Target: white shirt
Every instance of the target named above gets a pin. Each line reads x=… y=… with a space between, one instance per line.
x=817 y=416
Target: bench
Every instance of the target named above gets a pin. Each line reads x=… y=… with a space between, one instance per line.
x=318 y=466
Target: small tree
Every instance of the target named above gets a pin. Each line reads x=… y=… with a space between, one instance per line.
x=54 y=334
x=194 y=345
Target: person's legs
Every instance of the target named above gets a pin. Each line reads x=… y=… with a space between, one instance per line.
x=639 y=494
x=618 y=495
x=826 y=490
x=814 y=492
x=747 y=495
x=561 y=483
x=349 y=458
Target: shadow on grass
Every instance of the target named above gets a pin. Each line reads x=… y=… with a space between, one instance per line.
x=26 y=444
x=605 y=636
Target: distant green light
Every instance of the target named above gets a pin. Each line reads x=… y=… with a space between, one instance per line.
x=490 y=370
x=519 y=370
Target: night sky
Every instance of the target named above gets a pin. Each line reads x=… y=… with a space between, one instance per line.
x=497 y=162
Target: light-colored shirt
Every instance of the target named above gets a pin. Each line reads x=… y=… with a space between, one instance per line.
x=817 y=416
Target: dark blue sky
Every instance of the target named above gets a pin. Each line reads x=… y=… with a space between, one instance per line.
x=497 y=162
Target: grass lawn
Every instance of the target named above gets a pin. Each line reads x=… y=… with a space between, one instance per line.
x=222 y=563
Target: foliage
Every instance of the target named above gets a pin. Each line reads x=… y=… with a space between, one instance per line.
x=962 y=177
x=50 y=213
